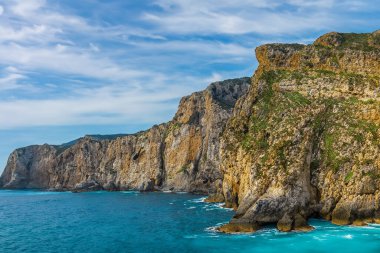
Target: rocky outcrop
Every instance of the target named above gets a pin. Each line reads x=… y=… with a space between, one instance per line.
x=304 y=141
x=181 y=155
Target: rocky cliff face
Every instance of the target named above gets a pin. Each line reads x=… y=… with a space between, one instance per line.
x=305 y=140
x=181 y=155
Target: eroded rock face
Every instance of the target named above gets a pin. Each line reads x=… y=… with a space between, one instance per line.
x=181 y=155
x=305 y=140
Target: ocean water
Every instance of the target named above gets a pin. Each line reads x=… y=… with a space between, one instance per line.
x=34 y=221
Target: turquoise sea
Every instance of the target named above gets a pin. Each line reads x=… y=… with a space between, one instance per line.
x=36 y=221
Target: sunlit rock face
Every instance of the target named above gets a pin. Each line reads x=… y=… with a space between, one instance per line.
x=305 y=140
x=299 y=139
x=181 y=155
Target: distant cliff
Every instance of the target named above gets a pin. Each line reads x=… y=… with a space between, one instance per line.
x=303 y=141
x=181 y=155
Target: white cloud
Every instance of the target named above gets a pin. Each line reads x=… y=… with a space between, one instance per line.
x=60 y=59
x=1 y=10
x=214 y=78
x=104 y=105
x=30 y=33
x=27 y=8
x=10 y=81
x=94 y=48
x=249 y=16
x=10 y=78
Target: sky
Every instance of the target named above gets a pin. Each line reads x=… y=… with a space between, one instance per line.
x=70 y=68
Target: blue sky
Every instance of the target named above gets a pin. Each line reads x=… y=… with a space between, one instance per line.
x=69 y=68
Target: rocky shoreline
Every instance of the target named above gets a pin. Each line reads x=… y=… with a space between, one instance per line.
x=299 y=139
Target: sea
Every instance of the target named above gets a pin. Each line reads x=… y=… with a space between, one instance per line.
x=129 y=221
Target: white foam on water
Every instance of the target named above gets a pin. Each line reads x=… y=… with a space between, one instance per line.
x=130 y=192
x=370 y=226
x=190 y=236
x=45 y=193
x=348 y=236
x=200 y=200
x=191 y=207
x=222 y=206
x=319 y=238
x=214 y=229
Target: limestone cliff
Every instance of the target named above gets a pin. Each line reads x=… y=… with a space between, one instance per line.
x=305 y=140
x=181 y=155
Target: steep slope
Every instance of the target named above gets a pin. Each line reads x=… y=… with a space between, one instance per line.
x=181 y=155
x=305 y=140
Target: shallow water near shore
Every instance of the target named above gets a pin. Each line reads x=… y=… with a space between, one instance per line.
x=37 y=221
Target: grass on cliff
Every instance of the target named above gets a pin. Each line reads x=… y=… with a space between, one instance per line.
x=341 y=121
x=359 y=41
x=274 y=108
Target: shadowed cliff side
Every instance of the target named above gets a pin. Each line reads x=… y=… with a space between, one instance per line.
x=181 y=155
x=304 y=141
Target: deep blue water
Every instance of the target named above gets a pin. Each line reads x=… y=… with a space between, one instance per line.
x=32 y=221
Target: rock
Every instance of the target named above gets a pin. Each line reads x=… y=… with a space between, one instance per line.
x=332 y=39
x=231 y=228
x=342 y=214
x=89 y=185
x=215 y=198
x=285 y=224
x=359 y=223
x=300 y=224
x=147 y=186
x=110 y=186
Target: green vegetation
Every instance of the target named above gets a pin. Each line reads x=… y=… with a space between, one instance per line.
x=281 y=154
x=373 y=175
x=297 y=98
x=348 y=177
x=183 y=169
x=337 y=120
x=256 y=135
x=359 y=41
x=365 y=126
x=332 y=158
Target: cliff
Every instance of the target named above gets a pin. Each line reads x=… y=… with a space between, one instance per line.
x=181 y=155
x=304 y=141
